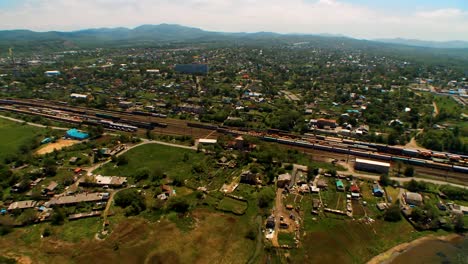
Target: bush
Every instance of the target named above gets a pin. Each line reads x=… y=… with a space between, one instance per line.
x=409 y=171
x=58 y=217
x=265 y=197
x=46 y=232
x=178 y=204
x=385 y=180
x=392 y=214
x=130 y=197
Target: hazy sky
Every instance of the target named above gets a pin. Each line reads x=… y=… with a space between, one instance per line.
x=419 y=19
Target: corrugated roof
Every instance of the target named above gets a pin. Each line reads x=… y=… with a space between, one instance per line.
x=372 y=162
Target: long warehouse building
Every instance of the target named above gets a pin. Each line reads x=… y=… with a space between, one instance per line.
x=371 y=166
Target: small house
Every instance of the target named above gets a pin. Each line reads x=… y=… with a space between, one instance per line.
x=355 y=188
x=340 y=186
x=377 y=190
x=283 y=180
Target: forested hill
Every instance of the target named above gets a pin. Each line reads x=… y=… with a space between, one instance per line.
x=163 y=34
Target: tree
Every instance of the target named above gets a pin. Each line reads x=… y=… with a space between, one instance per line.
x=458 y=223
x=392 y=214
x=141 y=174
x=385 y=180
x=58 y=217
x=409 y=171
x=178 y=204
x=265 y=197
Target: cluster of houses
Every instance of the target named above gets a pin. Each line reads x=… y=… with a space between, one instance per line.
x=45 y=207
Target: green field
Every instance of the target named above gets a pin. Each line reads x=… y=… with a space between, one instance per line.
x=14 y=135
x=228 y=204
x=169 y=160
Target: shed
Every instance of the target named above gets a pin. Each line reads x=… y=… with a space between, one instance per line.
x=377 y=191
x=76 y=134
x=270 y=223
x=413 y=198
x=339 y=185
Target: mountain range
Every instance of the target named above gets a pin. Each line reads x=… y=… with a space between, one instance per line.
x=150 y=35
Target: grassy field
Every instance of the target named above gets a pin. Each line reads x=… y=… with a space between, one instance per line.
x=216 y=238
x=169 y=160
x=228 y=204
x=14 y=135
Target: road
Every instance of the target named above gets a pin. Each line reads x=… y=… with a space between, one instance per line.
x=400 y=180
x=277 y=212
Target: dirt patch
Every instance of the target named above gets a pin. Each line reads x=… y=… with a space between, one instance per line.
x=58 y=145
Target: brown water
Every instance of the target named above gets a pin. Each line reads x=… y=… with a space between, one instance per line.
x=436 y=251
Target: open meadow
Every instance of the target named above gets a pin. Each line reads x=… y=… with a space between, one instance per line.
x=15 y=135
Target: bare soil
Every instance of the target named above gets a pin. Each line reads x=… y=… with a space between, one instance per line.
x=58 y=145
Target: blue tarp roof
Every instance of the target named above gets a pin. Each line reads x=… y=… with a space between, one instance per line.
x=74 y=133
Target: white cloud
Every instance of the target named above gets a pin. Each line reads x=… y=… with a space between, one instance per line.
x=292 y=16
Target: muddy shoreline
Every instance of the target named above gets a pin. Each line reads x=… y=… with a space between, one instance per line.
x=389 y=255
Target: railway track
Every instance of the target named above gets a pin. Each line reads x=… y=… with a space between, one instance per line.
x=184 y=128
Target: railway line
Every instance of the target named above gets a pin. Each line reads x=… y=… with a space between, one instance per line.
x=433 y=163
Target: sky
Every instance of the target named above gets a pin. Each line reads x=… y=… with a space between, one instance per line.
x=370 y=19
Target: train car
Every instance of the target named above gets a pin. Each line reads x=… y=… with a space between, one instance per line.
x=411 y=152
x=159 y=115
x=158 y=124
x=107 y=116
x=137 y=112
x=394 y=150
x=395 y=158
x=380 y=156
x=270 y=139
x=460 y=169
x=417 y=162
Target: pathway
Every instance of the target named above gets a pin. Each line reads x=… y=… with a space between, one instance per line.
x=436 y=109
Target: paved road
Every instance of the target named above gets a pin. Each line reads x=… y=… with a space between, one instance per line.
x=401 y=180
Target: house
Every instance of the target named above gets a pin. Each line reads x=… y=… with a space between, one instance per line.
x=339 y=186
x=22 y=205
x=377 y=190
x=51 y=187
x=207 y=141
x=412 y=198
x=52 y=73
x=125 y=104
x=270 y=223
x=73 y=160
x=354 y=188
x=77 y=198
x=459 y=209
x=78 y=96
x=326 y=123
x=109 y=181
x=314 y=189
x=283 y=180
x=249 y=178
